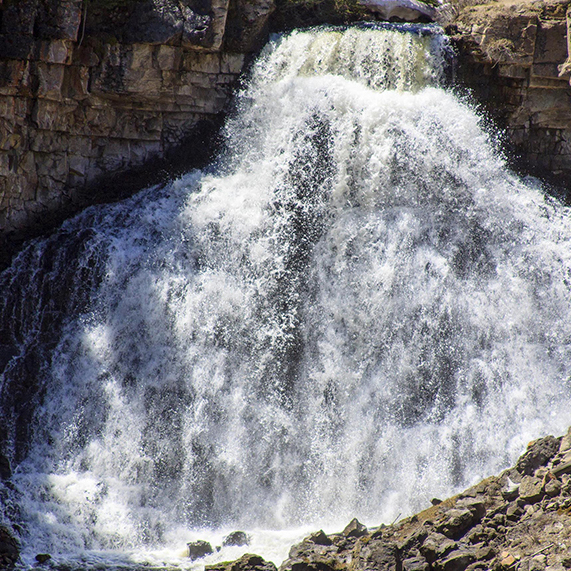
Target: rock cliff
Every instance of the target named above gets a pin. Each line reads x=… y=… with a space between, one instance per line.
x=513 y=55
x=101 y=97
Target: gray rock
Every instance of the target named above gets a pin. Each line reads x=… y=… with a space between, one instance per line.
x=531 y=489
x=237 y=538
x=320 y=538
x=553 y=488
x=538 y=453
x=456 y=522
x=167 y=22
x=415 y=564
x=457 y=561
x=375 y=556
x=436 y=546
x=355 y=529
x=199 y=549
x=247 y=562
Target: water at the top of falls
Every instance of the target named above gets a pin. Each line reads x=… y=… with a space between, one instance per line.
x=357 y=309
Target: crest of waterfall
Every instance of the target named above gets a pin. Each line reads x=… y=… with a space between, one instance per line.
x=355 y=309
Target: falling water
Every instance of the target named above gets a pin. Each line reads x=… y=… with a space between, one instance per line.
x=355 y=309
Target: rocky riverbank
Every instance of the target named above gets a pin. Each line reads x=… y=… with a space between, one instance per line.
x=520 y=520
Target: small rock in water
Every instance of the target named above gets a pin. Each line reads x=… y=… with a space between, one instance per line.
x=43 y=558
x=198 y=549
x=355 y=529
x=237 y=538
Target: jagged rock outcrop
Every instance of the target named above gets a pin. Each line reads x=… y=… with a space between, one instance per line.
x=513 y=55
x=520 y=520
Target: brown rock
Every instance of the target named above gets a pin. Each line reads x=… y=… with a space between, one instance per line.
x=436 y=546
x=531 y=489
x=457 y=561
x=538 y=453
x=455 y=522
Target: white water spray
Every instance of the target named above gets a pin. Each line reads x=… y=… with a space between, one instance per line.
x=357 y=309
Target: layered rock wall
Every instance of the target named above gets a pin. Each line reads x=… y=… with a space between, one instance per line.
x=514 y=56
x=92 y=89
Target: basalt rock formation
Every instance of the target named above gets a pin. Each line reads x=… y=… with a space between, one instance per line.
x=519 y=520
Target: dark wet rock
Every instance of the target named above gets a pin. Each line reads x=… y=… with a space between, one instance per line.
x=9 y=549
x=237 y=538
x=538 y=453
x=5 y=468
x=42 y=558
x=199 y=549
x=355 y=529
x=247 y=562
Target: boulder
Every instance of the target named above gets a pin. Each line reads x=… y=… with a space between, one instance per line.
x=9 y=549
x=320 y=538
x=237 y=538
x=198 y=549
x=538 y=453
x=531 y=489
x=355 y=529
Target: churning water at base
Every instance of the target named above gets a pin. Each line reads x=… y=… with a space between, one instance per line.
x=356 y=309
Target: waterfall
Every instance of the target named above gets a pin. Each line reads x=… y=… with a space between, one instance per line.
x=356 y=308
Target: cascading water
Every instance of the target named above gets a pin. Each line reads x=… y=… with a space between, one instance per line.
x=358 y=307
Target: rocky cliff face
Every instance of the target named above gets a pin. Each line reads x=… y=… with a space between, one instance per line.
x=514 y=58
x=92 y=90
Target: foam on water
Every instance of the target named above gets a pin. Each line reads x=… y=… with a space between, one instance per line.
x=356 y=309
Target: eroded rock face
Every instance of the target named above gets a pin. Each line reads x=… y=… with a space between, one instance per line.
x=514 y=57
